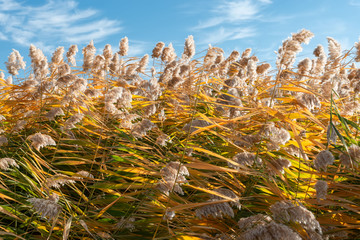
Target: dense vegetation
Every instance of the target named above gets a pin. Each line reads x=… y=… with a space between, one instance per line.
x=183 y=147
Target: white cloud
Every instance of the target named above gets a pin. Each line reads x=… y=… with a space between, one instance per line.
x=6 y=5
x=225 y=34
x=230 y=20
x=3 y=37
x=137 y=48
x=233 y=12
x=354 y=3
x=53 y=22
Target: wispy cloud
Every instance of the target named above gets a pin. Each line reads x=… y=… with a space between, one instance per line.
x=354 y=3
x=138 y=48
x=230 y=20
x=225 y=34
x=233 y=12
x=55 y=21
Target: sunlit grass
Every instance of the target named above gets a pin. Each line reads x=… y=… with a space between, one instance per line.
x=181 y=148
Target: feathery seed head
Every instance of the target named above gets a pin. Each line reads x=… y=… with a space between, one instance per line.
x=246 y=159
x=98 y=64
x=354 y=151
x=53 y=113
x=73 y=49
x=219 y=210
x=357 y=46
x=304 y=66
x=124 y=46
x=321 y=189
x=6 y=163
x=228 y=194
x=3 y=140
x=173 y=176
x=88 y=53
x=310 y=101
x=107 y=52
x=64 y=69
x=286 y=212
x=334 y=48
x=252 y=221
x=263 y=68
x=57 y=58
x=278 y=165
x=319 y=51
x=78 y=86
x=66 y=80
x=143 y=64
x=41 y=140
x=156 y=53
x=246 y=53
x=331 y=134
x=303 y=36
x=131 y=69
x=270 y=231
x=277 y=136
x=234 y=55
x=85 y=174
x=19 y=125
x=345 y=160
x=251 y=70
x=168 y=55
x=189 y=48
x=58 y=181
x=323 y=159
x=140 y=129
x=15 y=63
x=74 y=119
x=215 y=210
x=195 y=125
x=48 y=208
x=115 y=64
x=92 y=93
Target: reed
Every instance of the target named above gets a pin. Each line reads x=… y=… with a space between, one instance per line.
x=182 y=146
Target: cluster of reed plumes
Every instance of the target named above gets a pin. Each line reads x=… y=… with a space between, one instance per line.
x=181 y=147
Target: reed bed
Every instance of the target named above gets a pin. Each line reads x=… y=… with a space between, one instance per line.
x=183 y=146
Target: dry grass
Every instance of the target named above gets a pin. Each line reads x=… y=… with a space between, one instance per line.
x=186 y=148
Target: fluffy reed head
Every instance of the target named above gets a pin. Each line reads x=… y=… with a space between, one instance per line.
x=48 y=208
x=189 y=48
x=270 y=231
x=323 y=159
x=141 y=128
x=156 y=53
x=58 y=181
x=39 y=140
x=3 y=140
x=168 y=54
x=6 y=163
x=73 y=49
x=321 y=189
x=53 y=113
x=123 y=46
x=74 y=119
x=245 y=159
x=219 y=210
x=287 y=212
x=173 y=176
x=277 y=136
x=15 y=63
x=277 y=165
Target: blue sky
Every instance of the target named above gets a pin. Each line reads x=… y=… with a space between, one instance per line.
x=229 y=24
